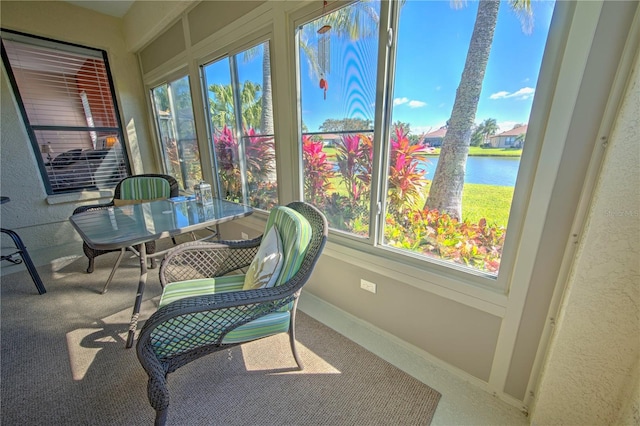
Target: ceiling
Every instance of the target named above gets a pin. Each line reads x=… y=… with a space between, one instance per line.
x=116 y=8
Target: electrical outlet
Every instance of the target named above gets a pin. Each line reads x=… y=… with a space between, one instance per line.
x=244 y=235
x=368 y=285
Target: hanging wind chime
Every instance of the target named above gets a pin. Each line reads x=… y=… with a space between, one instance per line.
x=324 y=53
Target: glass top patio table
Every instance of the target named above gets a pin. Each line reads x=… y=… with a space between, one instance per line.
x=126 y=226
x=130 y=225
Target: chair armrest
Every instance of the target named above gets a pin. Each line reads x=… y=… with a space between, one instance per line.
x=215 y=313
x=90 y=207
x=195 y=260
x=169 y=340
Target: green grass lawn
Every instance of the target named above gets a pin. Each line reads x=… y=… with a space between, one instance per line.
x=478 y=201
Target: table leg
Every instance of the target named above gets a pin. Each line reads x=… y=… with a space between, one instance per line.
x=136 y=307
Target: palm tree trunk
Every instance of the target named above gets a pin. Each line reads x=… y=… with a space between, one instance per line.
x=445 y=194
x=266 y=119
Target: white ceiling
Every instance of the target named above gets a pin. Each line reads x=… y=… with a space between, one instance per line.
x=115 y=8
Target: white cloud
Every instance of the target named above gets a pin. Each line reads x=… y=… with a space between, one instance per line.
x=410 y=103
x=400 y=101
x=522 y=94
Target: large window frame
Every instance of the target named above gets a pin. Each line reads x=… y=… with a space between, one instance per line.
x=180 y=156
x=374 y=242
x=266 y=197
x=78 y=141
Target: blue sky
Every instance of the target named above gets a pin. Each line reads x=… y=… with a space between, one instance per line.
x=433 y=39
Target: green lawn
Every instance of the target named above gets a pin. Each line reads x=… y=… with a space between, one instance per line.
x=478 y=201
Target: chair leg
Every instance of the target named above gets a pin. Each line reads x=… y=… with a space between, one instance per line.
x=113 y=271
x=161 y=417
x=90 y=267
x=24 y=254
x=292 y=336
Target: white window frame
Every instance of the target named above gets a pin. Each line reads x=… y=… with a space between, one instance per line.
x=440 y=277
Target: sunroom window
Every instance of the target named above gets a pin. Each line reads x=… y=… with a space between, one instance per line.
x=66 y=97
x=447 y=139
x=173 y=111
x=240 y=119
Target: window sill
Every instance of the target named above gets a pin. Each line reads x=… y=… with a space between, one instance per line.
x=454 y=288
x=75 y=197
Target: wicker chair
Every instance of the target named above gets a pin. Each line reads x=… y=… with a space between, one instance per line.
x=131 y=189
x=213 y=314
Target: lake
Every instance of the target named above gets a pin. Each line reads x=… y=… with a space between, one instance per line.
x=501 y=171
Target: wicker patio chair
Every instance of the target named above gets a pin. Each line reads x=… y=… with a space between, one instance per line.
x=136 y=188
x=205 y=315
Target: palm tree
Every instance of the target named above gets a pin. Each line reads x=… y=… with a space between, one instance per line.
x=445 y=194
x=221 y=106
x=489 y=127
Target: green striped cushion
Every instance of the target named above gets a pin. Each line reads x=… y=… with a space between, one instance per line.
x=273 y=323
x=164 y=344
x=199 y=287
x=295 y=232
x=144 y=188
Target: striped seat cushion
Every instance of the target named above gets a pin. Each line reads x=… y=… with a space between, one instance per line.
x=181 y=289
x=295 y=232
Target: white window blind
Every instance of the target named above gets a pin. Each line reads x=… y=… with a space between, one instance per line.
x=66 y=97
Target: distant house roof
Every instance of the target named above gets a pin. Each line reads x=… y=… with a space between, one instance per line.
x=516 y=131
x=437 y=133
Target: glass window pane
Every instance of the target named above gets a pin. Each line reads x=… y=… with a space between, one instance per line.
x=337 y=72
x=69 y=112
x=244 y=144
x=176 y=127
x=254 y=75
x=459 y=125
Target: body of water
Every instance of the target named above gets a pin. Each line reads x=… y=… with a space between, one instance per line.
x=501 y=171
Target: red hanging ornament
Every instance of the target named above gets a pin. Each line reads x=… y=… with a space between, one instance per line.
x=324 y=85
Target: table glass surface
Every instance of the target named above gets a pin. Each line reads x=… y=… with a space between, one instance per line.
x=124 y=226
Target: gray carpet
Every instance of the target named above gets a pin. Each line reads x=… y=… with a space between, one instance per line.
x=64 y=362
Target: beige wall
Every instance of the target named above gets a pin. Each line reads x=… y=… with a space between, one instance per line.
x=592 y=369
x=487 y=337
x=42 y=221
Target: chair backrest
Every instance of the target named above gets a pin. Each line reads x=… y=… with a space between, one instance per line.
x=146 y=187
x=295 y=233
x=319 y=231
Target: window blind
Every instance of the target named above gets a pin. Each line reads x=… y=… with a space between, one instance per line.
x=66 y=97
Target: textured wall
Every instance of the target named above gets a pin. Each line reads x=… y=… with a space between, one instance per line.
x=591 y=374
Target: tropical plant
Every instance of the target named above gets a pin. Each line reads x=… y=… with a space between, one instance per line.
x=318 y=171
x=260 y=162
x=353 y=158
x=406 y=179
x=445 y=194
x=437 y=235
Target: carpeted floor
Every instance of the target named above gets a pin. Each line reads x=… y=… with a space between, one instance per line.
x=63 y=361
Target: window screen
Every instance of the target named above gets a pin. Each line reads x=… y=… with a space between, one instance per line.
x=66 y=97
